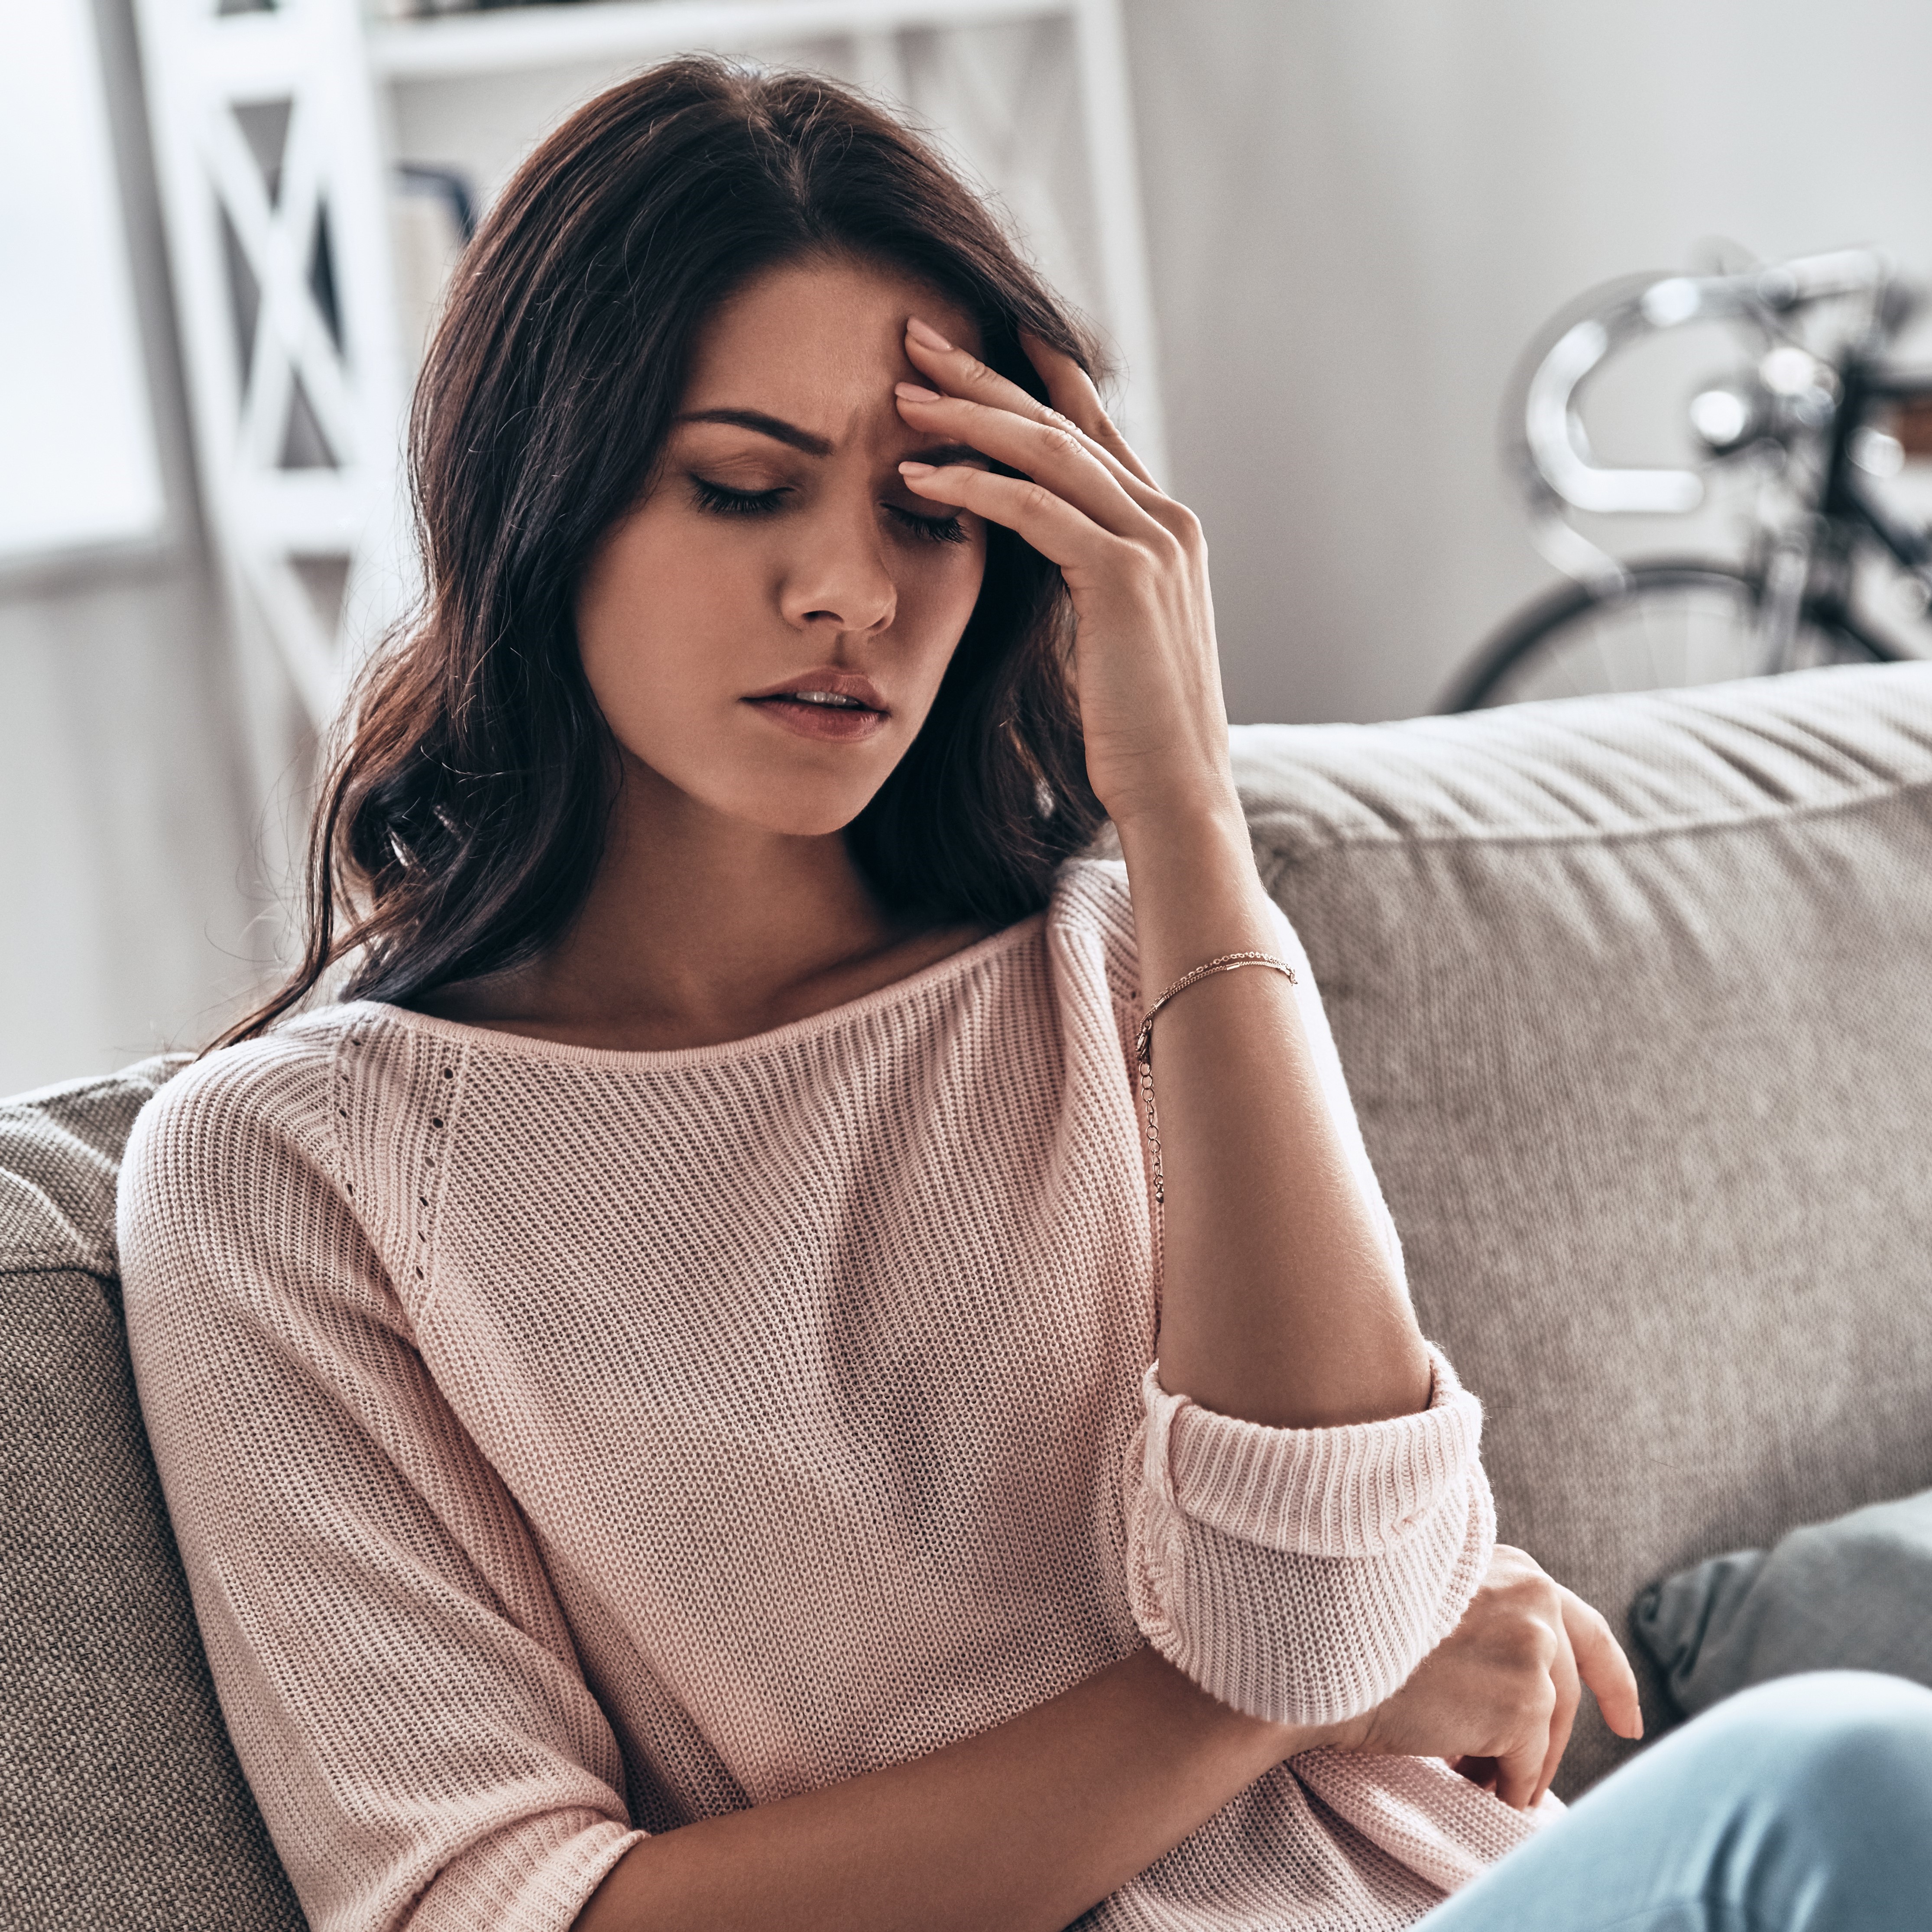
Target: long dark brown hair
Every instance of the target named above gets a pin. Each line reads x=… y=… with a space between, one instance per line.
x=462 y=821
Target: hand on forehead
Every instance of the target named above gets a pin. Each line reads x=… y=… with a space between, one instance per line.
x=817 y=346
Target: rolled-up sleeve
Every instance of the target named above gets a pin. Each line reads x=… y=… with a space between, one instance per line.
x=1300 y=1575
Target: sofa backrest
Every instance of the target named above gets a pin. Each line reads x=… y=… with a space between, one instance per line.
x=121 y=1807
x=1635 y=1000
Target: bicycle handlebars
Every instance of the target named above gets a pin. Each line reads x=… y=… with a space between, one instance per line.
x=1555 y=439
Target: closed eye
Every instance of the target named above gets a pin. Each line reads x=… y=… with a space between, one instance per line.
x=930 y=529
x=720 y=501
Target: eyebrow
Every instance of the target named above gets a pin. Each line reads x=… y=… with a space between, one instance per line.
x=779 y=431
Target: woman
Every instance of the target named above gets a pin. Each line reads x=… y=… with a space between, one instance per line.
x=657 y=1389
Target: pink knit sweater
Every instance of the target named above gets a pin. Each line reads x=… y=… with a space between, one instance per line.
x=566 y=1444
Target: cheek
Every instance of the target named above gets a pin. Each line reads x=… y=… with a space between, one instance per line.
x=936 y=598
x=647 y=609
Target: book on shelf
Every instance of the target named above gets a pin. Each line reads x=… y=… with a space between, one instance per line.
x=428 y=10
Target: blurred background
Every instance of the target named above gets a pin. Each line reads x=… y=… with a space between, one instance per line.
x=1320 y=238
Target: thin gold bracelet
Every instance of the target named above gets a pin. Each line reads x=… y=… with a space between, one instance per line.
x=1144 y=1040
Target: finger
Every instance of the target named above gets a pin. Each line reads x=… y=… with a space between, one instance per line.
x=1569 y=1694
x=1604 y=1668
x=1048 y=521
x=1052 y=453
x=1071 y=391
x=960 y=373
x=1519 y=1769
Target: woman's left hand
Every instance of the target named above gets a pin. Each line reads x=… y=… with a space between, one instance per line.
x=1498 y=1696
x=1134 y=561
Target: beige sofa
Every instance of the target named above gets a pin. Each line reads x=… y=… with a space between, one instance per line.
x=1633 y=997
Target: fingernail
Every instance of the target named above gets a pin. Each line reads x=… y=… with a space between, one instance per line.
x=917 y=469
x=914 y=393
x=924 y=332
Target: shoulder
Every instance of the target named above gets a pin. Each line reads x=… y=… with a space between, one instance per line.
x=277 y=1085
x=234 y=1160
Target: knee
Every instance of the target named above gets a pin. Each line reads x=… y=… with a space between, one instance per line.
x=1823 y=1710
x=1839 y=1748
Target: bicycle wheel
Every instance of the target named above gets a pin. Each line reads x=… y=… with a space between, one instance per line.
x=1671 y=624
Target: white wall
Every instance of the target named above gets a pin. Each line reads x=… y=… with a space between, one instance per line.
x=82 y=470
x=131 y=899
x=129 y=887
x=1359 y=215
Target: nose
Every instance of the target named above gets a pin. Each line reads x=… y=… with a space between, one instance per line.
x=837 y=579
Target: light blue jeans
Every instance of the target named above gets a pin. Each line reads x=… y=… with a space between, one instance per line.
x=1804 y=1805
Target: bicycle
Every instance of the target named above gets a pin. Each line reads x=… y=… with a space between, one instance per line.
x=1809 y=428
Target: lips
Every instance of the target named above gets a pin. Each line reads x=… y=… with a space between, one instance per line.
x=831 y=700
x=825 y=685
x=826 y=703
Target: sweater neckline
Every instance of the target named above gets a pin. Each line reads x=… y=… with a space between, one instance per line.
x=793 y=1032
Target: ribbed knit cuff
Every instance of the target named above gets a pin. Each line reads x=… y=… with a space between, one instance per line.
x=535 y=1875
x=1300 y=1575
x=1356 y=1490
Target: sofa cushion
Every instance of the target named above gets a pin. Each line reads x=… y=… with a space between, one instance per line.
x=1850 y=1595
x=1632 y=997
x=121 y=1806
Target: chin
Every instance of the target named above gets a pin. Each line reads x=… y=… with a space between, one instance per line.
x=768 y=791
x=819 y=823
x=799 y=810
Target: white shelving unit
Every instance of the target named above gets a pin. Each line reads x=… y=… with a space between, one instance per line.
x=278 y=125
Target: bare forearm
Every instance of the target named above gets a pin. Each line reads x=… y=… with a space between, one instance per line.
x=1279 y=1303
x=1024 y=1826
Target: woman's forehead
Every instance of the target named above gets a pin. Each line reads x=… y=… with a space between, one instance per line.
x=818 y=331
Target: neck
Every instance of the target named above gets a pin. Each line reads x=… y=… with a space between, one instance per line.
x=701 y=928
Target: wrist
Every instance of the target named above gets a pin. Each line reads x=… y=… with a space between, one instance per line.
x=1354 y=1734
x=1206 y=812
x=1193 y=1711
x=1195 y=856
x=1196 y=891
